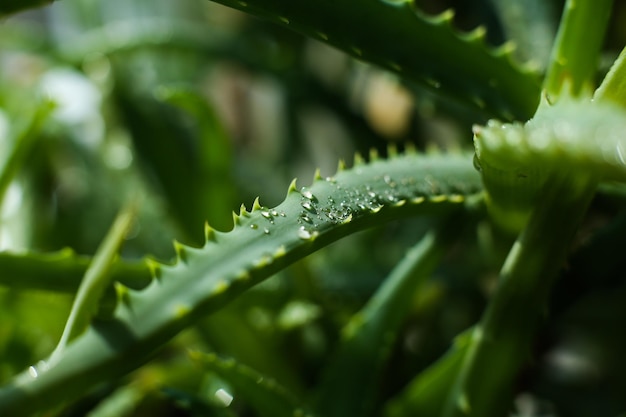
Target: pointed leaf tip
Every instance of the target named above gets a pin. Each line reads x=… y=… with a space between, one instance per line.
x=358 y=159
x=256 y=205
x=392 y=150
x=292 y=187
x=181 y=251
x=209 y=232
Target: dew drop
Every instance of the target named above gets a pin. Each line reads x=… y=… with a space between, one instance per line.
x=266 y=231
x=306 y=234
x=389 y=181
x=309 y=207
x=266 y=214
x=306 y=218
x=254 y=226
x=308 y=194
x=223 y=397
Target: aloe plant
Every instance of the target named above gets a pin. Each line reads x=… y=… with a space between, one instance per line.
x=522 y=224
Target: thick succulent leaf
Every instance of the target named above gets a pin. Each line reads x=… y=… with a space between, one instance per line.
x=96 y=281
x=577 y=47
x=530 y=25
x=397 y=36
x=174 y=153
x=215 y=197
x=426 y=395
x=62 y=271
x=264 y=395
x=579 y=137
x=613 y=87
x=350 y=379
x=262 y=242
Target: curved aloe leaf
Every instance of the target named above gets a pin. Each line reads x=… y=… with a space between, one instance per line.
x=579 y=137
x=530 y=25
x=62 y=271
x=500 y=343
x=426 y=395
x=95 y=281
x=263 y=242
x=264 y=395
x=174 y=154
x=577 y=47
x=397 y=36
x=350 y=379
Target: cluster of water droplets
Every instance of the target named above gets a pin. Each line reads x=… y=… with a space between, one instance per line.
x=346 y=203
x=309 y=217
x=270 y=215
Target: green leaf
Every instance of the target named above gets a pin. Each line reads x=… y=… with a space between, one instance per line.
x=173 y=156
x=24 y=137
x=420 y=48
x=427 y=393
x=264 y=395
x=577 y=47
x=501 y=342
x=262 y=242
x=62 y=271
x=613 y=87
x=575 y=137
x=96 y=280
x=215 y=188
x=350 y=379
x=530 y=25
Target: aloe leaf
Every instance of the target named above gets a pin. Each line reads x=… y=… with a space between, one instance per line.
x=348 y=386
x=500 y=343
x=62 y=271
x=264 y=395
x=613 y=87
x=213 y=154
x=172 y=156
x=247 y=346
x=579 y=137
x=426 y=395
x=262 y=242
x=575 y=54
x=530 y=25
x=96 y=280
x=423 y=49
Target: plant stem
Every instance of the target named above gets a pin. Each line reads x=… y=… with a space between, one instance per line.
x=577 y=46
x=501 y=341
